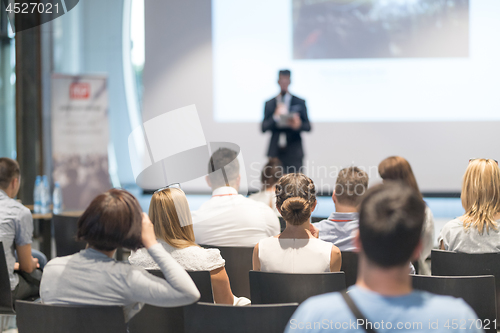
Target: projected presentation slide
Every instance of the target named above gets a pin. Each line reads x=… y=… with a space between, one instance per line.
x=359 y=60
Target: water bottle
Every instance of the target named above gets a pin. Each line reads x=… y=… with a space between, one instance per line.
x=57 y=199
x=45 y=195
x=36 y=195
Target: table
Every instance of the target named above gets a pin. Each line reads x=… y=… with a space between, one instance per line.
x=46 y=221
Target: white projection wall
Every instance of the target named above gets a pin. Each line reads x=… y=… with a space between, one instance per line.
x=436 y=112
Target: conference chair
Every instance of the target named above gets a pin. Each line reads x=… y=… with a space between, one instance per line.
x=350 y=267
x=477 y=291
x=153 y=319
x=273 y=288
x=217 y=318
x=201 y=279
x=44 y=318
x=238 y=264
x=6 y=307
x=446 y=263
x=65 y=229
x=282 y=224
x=318 y=219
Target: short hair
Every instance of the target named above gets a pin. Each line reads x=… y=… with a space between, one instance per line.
x=398 y=168
x=9 y=169
x=295 y=197
x=271 y=173
x=481 y=194
x=352 y=183
x=284 y=72
x=226 y=160
x=391 y=217
x=171 y=218
x=113 y=219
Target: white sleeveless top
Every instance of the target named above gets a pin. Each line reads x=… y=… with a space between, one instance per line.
x=288 y=255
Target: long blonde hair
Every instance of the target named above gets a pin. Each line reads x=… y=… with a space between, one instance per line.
x=481 y=194
x=169 y=210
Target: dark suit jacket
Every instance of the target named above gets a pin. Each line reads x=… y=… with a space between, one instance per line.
x=294 y=141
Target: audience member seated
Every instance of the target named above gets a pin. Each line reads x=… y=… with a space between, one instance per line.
x=477 y=230
x=92 y=277
x=296 y=249
x=269 y=177
x=171 y=218
x=397 y=168
x=228 y=218
x=342 y=224
x=391 y=217
x=16 y=233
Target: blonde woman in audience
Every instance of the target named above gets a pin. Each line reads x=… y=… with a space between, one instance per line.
x=477 y=230
x=92 y=277
x=171 y=217
x=269 y=177
x=397 y=168
x=296 y=249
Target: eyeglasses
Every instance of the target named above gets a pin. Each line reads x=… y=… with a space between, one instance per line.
x=487 y=159
x=173 y=185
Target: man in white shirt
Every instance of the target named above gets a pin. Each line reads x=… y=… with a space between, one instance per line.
x=228 y=218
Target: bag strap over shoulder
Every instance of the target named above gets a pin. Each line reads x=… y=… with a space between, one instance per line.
x=355 y=311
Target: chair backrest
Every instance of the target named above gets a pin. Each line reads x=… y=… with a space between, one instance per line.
x=315 y=219
x=282 y=223
x=65 y=228
x=272 y=288
x=201 y=279
x=5 y=291
x=477 y=291
x=44 y=318
x=350 y=267
x=238 y=264
x=153 y=319
x=216 y=318
x=446 y=263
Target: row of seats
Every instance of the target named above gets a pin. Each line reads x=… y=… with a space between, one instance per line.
x=477 y=291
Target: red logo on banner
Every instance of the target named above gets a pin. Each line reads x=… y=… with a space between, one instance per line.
x=79 y=90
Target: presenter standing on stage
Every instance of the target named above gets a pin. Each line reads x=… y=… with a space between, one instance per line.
x=286 y=116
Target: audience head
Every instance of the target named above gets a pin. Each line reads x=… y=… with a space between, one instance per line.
x=9 y=176
x=284 y=79
x=295 y=198
x=481 y=194
x=271 y=173
x=227 y=169
x=169 y=212
x=113 y=219
x=391 y=216
x=352 y=183
x=398 y=168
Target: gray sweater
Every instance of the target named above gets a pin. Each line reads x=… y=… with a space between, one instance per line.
x=92 y=278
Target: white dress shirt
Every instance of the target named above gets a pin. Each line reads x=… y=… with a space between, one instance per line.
x=230 y=219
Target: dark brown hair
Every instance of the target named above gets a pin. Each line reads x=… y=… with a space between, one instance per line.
x=9 y=169
x=271 y=173
x=351 y=184
x=295 y=197
x=391 y=217
x=113 y=219
x=398 y=168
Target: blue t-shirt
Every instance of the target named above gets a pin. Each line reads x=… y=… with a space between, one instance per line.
x=418 y=311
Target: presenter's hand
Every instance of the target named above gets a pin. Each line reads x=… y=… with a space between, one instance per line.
x=280 y=109
x=148 y=232
x=295 y=123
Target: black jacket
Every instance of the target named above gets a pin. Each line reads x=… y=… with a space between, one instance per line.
x=294 y=141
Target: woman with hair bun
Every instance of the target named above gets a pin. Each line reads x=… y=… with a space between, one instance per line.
x=296 y=249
